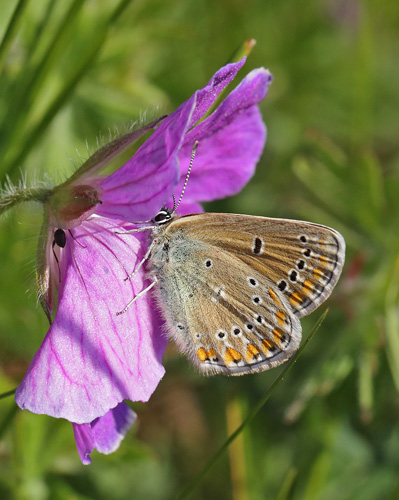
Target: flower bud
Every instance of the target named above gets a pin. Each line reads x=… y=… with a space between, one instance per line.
x=70 y=204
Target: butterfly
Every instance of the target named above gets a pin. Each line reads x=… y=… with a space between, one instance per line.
x=232 y=288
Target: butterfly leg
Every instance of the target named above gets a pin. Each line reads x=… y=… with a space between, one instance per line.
x=141 y=262
x=140 y=294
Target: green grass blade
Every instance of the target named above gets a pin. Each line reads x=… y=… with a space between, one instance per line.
x=31 y=84
x=55 y=106
x=12 y=29
x=40 y=31
x=69 y=86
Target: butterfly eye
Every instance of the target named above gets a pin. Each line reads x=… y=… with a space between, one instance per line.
x=163 y=216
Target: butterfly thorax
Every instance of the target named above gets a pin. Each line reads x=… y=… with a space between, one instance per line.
x=160 y=238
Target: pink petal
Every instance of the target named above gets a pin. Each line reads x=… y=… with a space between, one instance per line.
x=91 y=359
x=137 y=190
x=231 y=141
x=104 y=434
x=109 y=430
x=84 y=442
x=208 y=95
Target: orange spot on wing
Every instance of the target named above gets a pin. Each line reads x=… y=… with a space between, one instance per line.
x=274 y=297
x=295 y=298
x=323 y=260
x=308 y=286
x=278 y=333
x=281 y=317
x=202 y=354
x=252 y=352
x=232 y=355
x=318 y=274
x=267 y=345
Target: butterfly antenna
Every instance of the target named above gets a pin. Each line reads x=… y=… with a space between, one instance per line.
x=193 y=151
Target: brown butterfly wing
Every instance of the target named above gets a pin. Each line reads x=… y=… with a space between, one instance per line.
x=222 y=312
x=303 y=260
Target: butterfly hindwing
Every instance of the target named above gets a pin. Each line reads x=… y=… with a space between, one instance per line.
x=248 y=326
x=227 y=316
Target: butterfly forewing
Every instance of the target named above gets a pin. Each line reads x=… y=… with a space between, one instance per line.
x=303 y=260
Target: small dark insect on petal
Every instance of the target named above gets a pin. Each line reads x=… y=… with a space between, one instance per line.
x=59 y=238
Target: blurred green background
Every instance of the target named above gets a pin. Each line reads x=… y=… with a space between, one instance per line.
x=72 y=71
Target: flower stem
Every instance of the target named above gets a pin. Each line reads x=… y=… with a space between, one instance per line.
x=13 y=195
x=8 y=393
x=252 y=414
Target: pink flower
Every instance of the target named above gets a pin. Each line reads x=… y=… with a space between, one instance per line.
x=91 y=359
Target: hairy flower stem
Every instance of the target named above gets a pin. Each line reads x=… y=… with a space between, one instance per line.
x=13 y=195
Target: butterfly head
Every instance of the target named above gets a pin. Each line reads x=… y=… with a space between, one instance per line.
x=164 y=216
